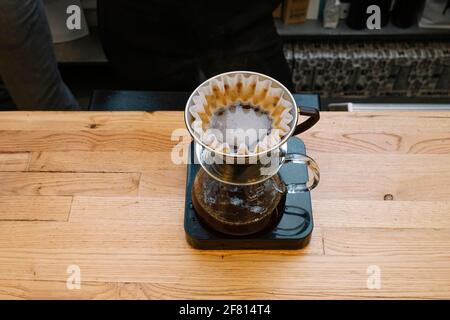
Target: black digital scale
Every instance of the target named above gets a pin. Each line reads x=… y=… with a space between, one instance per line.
x=292 y=232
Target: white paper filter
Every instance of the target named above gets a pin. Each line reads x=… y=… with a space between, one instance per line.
x=226 y=91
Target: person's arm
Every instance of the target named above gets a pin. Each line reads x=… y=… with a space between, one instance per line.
x=27 y=60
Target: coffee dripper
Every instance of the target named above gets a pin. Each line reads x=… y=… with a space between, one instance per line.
x=242 y=194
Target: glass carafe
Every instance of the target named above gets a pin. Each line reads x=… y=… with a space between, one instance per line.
x=244 y=199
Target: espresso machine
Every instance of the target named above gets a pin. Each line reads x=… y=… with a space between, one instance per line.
x=258 y=198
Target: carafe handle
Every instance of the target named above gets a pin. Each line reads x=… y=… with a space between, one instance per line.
x=314 y=177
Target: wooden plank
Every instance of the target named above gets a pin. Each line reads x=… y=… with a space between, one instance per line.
x=436 y=121
x=383 y=164
x=327 y=213
x=138 y=239
x=88 y=140
x=354 y=289
x=372 y=177
x=134 y=238
x=34 y=208
x=386 y=242
x=68 y=184
x=164 y=182
x=216 y=275
x=381 y=214
x=135 y=131
x=14 y=161
x=373 y=186
x=85 y=161
x=56 y=290
x=415 y=122
x=329 y=163
x=354 y=141
x=397 y=175
x=26 y=289
x=76 y=121
x=284 y=291
x=159 y=210
x=157 y=139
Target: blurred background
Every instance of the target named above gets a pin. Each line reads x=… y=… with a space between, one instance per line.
x=326 y=43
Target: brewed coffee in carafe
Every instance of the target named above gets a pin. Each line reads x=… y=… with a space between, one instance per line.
x=238 y=210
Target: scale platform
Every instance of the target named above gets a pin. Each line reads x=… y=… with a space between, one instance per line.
x=292 y=232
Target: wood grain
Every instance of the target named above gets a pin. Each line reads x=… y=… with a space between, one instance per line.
x=163 y=182
x=372 y=177
x=35 y=208
x=35 y=289
x=154 y=139
x=139 y=238
x=41 y=290
x=129 y=210
x=68 y=184
x=381 y=214
x=378 y=142
x=299 y=275
x=417 y=122
x=396 y=132
x=78 y=121
x=85 y=161
x=99 y=190
x=385 y=242
x=373 y=186
x=384 y=164
x=14 y=161
x=86 y=140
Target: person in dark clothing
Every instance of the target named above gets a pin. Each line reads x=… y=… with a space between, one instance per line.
x=172 y=45
x=28 y=66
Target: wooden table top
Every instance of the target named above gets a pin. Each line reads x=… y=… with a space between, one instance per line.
x=98 y=191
